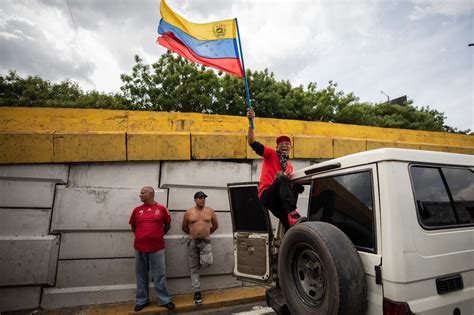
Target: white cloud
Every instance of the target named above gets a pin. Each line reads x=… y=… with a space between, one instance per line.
x=424 y=8
x=7 y=36
x=413 y=47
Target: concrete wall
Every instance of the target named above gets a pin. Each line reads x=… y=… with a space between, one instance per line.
x=65 y=238
x=64 y=233
x=29 y=252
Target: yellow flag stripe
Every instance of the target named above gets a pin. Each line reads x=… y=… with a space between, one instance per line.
x=224 y=29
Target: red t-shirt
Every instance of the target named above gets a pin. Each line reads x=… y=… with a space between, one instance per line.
x=271 y=166
x=149 y=223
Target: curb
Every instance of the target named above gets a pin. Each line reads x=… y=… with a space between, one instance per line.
x=184 y=303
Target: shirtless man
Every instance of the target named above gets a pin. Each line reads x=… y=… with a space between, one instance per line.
x=199 y=222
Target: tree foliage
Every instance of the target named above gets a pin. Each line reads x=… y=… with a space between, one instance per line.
x=175 y=84
x=34 y=91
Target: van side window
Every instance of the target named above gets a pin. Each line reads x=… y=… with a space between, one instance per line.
x=444 y=196
x=461 y=186
x=346 y=201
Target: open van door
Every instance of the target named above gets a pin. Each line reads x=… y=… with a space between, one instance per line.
x=252 y=233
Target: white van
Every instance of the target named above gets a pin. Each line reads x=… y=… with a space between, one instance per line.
x=389 y=231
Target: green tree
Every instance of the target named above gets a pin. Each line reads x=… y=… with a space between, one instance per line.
x=175 y=84
x=38 y=92
x=171 y=84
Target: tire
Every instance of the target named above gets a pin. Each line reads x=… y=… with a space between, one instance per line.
x=320 y=271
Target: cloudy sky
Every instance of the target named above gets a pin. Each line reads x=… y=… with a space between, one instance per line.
x=417 y=48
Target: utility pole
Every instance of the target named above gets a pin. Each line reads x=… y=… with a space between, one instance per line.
x=388 y=97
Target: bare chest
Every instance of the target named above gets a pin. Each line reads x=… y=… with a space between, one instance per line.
x=199 y=216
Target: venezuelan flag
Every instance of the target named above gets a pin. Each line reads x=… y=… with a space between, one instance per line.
x=211 y=44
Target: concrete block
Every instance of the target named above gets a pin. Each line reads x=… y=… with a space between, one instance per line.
x=256 y=170
x=203 y=173
x=22 y=298
x=96 y=208
x=115 y=175
x=269 y=141
x=26 y=147
x=213 y=146
x=346 y=146
x=72 y=119
x=26 y=194
x=375 y=144
x=182 y=198
x=97 y=245
x=301 y=163
x=87 y=245
x=433 y=147
x=158 y=146
x=460 y=150
x=98 y=272
x=57 y=173
x=64 y=297
x=313 y=147
x=95 y=272
x=467 y=150
x=408 y=145
x=89 y=147
x=28 y=260
x=55 y=298
x=24 y=222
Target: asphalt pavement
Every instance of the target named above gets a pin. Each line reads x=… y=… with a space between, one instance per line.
x=255 y=308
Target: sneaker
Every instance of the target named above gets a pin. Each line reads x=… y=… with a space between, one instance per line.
x=170 y=306
x=197 y=298
x=294 y=217
x=139 y=307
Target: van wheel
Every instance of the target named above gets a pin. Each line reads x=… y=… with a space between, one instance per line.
x=320 y=271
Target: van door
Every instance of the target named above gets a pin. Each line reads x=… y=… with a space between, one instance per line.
x=252 y=233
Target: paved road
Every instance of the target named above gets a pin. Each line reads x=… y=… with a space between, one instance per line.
x=256 y=308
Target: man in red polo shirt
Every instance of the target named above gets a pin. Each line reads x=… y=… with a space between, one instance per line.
x=275 y=190
x=150 y=222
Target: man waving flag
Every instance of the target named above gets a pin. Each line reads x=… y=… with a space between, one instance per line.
x=211 y=44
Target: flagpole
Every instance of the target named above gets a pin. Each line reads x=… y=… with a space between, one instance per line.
x=247 y=93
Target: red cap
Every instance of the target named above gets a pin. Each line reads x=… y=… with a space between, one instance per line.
x=283 y=138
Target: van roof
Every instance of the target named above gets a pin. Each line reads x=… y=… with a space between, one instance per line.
x=390 y=154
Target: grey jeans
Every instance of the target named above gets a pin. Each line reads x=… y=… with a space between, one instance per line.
x=200 y=254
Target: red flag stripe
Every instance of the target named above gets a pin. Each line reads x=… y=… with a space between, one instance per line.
x=231 y=65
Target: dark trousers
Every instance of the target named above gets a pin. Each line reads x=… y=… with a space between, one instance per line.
x=280 y=198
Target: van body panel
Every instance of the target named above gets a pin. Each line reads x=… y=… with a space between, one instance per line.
x=374 y=290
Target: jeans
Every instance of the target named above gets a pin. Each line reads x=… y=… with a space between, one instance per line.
x=200 y=254
x=155 y=263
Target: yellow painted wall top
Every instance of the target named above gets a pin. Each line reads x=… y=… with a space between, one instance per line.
x=60 y=130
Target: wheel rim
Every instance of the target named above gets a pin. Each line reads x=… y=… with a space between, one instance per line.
x=309 y=277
